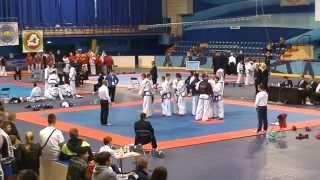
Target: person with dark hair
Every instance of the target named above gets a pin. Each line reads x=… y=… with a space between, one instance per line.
x=113 y=80
x=286 y=83
x=180 y=93
x=166 y=95
x=77 y=169
x=17 y=73
x=6 y=151
x=27 y=174
x=205 y=92
x=28 y=154
x=261 y=103
x=3 y=62
x=159 y=173
x=51 y=140
x=195 y=94
x=147 y=94
x=105 y=100
x=74 y=145
x=154 y=74
x=144 y=132
x=103 y=170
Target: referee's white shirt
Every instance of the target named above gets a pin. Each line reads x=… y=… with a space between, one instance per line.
x=261 y=99
x=103 y=93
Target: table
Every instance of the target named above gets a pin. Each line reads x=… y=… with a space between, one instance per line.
x=287 y=95
x=120 y=155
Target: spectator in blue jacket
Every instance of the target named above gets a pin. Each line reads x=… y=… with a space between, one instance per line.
x=112 y=84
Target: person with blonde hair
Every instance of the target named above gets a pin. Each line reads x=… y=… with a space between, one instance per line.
x=28 y=154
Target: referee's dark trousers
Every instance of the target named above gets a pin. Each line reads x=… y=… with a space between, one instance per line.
x=262 y=118
x=104 y=111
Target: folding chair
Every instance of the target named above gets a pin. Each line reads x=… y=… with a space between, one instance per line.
x=5 y=92
x=134 y=82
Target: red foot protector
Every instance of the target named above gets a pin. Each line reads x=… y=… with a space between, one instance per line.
x=209 y=121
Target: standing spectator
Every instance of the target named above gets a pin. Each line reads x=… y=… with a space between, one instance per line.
x=92 y=62
x=103 y=170
x=28 y=154
x=74 y=145
x=17 y=73
x=29 y=61
x=261 y=103
x=167 y=60
x=257 y=76
x=7 y=127
x=105 y=100
x=264 y=75
x=51 y=141
x=159 y=173
x=66 y=68
x=113 y=81
x=37 y=61
x=6 y=150
x=27 y=175
x=77 y=169
x=154 y=74
x=3 y=62
x=108 y=63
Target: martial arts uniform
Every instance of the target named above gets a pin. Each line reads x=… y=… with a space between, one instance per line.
x=195 y=95
x=232 y=65
x=180 y=94
x=166 y=98
x=241 y=72
x=220 y=74
x=92 y=62
x=174 y=98
x=35 y=92
x=205 y=92
x=146 y=93
x=72 y=80
x=249 y=66
x=46 y=77
x=218 y=104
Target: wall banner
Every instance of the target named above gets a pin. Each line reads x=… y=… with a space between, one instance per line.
x=9 y=34
x=32 y=41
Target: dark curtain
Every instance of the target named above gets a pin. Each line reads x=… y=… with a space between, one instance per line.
x=49 y=13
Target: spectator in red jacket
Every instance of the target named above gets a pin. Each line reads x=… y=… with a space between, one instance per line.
x=109 y=63
x=29 y=61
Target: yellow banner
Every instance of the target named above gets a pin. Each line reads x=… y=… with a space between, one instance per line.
x=32 y=41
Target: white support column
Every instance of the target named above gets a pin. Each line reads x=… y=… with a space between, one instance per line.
x=317 y=10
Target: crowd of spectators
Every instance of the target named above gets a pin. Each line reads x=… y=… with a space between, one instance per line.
x=25 y=159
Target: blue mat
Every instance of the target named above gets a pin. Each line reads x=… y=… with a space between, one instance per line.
x=175 y=127
x=16 y=90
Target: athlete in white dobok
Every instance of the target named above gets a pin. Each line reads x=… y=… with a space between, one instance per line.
x=146 y=92
x=181 y=92
x=250 y=67
x=205 y=92
x=194 y=80
x=72 y=80
x=166 y=95
x=218 y=104
x=49 y=69
x=240 y=72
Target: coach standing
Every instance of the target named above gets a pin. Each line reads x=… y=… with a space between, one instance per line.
x=103 y=93
x=112 y=84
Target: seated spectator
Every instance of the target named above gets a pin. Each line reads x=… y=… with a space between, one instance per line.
x=74 y=145
x=77 y=169
x=27 y=174
x=103 y=170
x=141 y=172
x=107 y=146
x=36 y=91
x=144 y=132
x=28 y=154
x=286 y=83
x=159 y=173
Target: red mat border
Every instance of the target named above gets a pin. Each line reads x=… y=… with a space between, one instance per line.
x=37 y=119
